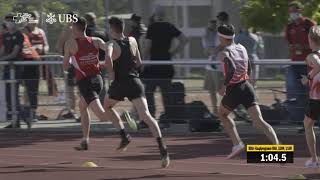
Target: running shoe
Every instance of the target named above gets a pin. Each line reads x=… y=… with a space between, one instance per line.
x=236 y=150
x=311 y=164
x=165 y=159
x=83 y=146
x=124 y=143
x=131 y=122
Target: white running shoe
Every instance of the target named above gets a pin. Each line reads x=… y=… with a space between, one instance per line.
x=311 y=164
x=236 y=150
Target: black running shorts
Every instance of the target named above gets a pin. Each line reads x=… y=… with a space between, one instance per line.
x=131 y=89
x=313 y=109
x=241 y=93
x=90 y=88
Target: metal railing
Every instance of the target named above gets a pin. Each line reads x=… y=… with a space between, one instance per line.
x=165 y=62
x=199 y=62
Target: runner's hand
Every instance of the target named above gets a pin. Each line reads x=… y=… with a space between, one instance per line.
x=102 y=65
x=304 y=80
x=222 y=91
x=111 y=76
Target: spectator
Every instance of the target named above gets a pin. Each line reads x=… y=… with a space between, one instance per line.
x=297 y=35
x=260 y=50
x=39 y=42
x=151 y=20
x=223 y=18
x=12 y=51
x=2 y=32
x=252 y=43
x=71 y=82
x=214 y=75
x=158 y=42
x=37 y=35
x=143 y=37
x=137 y=28
x=94 y=30
x=31 y=76
x=210 y=40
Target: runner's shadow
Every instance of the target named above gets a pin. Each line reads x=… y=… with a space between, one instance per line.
x=181 y=151
x=166 y=176
x=201 y=147
x=22 y=137
x=141 y=177
x=48 y=170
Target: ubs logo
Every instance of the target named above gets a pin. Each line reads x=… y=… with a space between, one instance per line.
x=50 y=18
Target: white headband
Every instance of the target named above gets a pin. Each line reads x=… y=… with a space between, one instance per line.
x=226 y=36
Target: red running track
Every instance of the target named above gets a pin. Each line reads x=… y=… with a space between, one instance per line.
x=50 y=156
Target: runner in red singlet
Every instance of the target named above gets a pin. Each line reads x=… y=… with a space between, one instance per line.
x=83 y=52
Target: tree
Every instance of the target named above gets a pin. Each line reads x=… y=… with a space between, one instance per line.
x=272 y=15
x=6 y=7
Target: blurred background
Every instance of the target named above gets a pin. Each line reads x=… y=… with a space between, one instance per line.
x=267 y=19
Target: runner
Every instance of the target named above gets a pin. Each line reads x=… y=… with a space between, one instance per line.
x=83 y=51
x=122 y=61
x=313 y=108
x=237 y=90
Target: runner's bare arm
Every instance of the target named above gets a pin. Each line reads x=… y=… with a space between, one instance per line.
x=99 y=43
x=64 y=36
x=138 y=58
x=108 y=59
x=67 y=56
x=229 y=67
x=135 y=51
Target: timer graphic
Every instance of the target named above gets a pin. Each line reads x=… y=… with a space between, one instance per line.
x=270 y=153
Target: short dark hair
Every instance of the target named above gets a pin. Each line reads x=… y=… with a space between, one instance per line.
x=90 y=17
x=9 y=16
x=81 y=23
x=135 y=18
x=117 y=24
x=223 y=16
x=226 y=30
